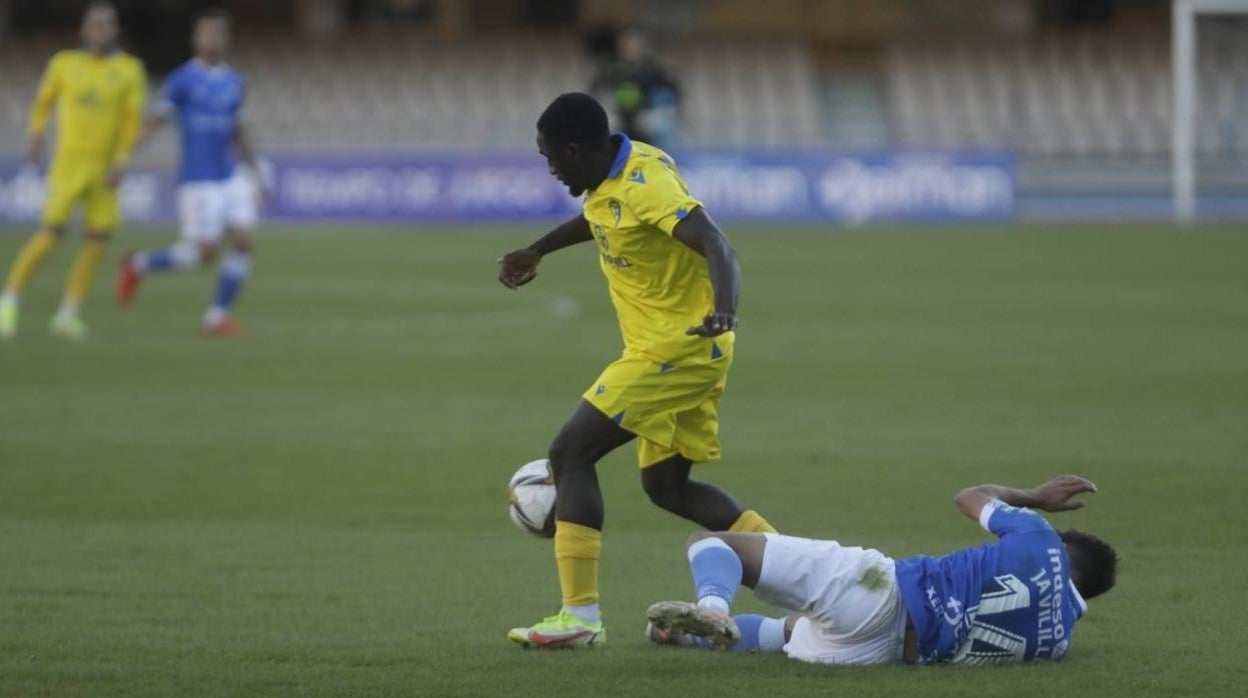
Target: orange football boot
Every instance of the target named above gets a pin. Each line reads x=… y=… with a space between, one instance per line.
x=127 y=280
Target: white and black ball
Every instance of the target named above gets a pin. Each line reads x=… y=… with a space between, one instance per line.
x=531 y=498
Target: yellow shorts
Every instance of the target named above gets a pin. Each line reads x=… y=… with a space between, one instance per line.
x=672 y=409
x=75 y=179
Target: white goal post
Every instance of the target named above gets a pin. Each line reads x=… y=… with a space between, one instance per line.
x=1183 y=65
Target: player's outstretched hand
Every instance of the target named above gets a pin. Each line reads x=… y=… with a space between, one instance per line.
x=714 y=325
x=1055 y=494
x=518 y=268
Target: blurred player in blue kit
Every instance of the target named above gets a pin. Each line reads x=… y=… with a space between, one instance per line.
x=215 y=198
x=1012 y=600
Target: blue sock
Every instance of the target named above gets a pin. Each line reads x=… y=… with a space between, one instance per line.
x=716 y=573
x=158 y=260
x=758 y=634
x=179 y=255
x=748 y=624
x=234 y=272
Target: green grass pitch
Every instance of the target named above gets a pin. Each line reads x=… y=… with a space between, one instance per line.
x=317 y=508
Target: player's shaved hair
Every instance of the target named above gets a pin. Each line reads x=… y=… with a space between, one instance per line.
x=575 y=117
x=1093 y=563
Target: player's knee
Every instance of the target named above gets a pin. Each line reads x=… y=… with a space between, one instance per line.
x=57 y=231
x=566 y=454
x=207 y=253
x=97 y=236
x=241 y=242
x=664 y=493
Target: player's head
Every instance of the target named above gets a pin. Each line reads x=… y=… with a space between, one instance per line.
x=573 y=136
x=211 y=36
x=1093 y=563
x=99 y=26
x=632 y=45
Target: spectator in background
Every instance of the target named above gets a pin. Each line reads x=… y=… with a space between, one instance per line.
x=644 y=95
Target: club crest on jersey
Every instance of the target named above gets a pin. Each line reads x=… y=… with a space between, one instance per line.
x=89 y=98
x=615 y=211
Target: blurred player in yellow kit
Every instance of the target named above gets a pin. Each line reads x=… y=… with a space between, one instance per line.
x=674 y=281
x=98 y=93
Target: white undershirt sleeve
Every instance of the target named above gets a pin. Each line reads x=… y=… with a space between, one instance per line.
x=990 y=508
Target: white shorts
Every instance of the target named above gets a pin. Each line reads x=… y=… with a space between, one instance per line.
x=206 y=209
x=852 y=611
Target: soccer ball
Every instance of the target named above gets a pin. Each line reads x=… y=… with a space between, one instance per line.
x=531 y=499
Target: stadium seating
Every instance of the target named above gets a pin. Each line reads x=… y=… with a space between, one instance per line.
x=749 y=94
x=1063 y=96
x=1056 y=96
x=383 y=90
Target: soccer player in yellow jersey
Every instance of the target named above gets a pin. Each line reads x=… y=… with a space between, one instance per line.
x=674 y=281
x=98 y=94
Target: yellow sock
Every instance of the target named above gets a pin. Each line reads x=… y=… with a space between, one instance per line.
x=576 y=554
x=83 y=271
x=28 y=260
x=751 y=522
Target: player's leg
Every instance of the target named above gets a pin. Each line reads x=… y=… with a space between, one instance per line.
x=239 y=211
x=720 y=563
x=200 y=224
x=67 y=323
x=32 y=256
x=28 y=259
x=102 y=215
x=669 y=486
x=666 y=469
x=66 y=185
x=586 y=437
x=235 y=269
x=849 y=606
x=181 y=255
x=757 y=633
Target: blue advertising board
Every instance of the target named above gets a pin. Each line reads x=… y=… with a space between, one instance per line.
x=146 y=197
x=845 y=188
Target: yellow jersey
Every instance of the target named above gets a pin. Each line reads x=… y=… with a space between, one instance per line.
x=660 y=287
x=99 y=103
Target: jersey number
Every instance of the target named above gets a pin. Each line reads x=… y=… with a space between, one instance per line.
x=1004 y=646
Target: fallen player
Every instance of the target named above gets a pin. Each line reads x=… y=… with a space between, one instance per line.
x=1015 y=599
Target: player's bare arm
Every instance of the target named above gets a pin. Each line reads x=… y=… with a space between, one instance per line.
x=40 y=112
x=520 y=267
x=130 y=130
x=1054 y=495
x=700 y=234
x=151 y=125
x=247 y=151
x=34 y=148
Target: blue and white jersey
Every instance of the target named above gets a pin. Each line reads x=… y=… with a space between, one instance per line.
x=1007 y=601
x=208 y=101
